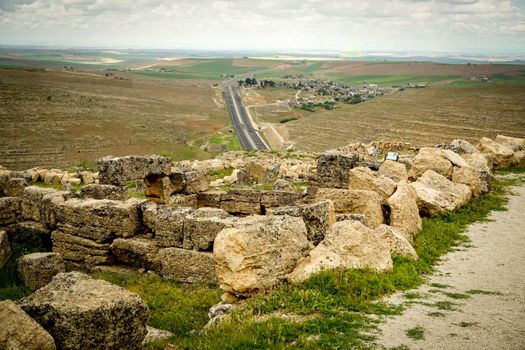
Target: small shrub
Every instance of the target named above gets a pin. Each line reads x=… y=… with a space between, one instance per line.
x=416 y=333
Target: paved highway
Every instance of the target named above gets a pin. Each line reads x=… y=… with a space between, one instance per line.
x=248 y=136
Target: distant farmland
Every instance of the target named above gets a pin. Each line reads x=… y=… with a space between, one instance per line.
x=58 y=108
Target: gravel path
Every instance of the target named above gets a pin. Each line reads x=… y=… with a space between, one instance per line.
x=480 y=290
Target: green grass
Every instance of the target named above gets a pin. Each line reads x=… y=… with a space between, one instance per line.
x=457 y=295
x=390 y=80
x=467 y=324
x=22 y=242
x=175 y=307
x=416 y=333
x=219 y=174
x=185 y=152
x=439 y=285
x=436 y=314
x=444 y=305
x=230 y=140
x=482 y=292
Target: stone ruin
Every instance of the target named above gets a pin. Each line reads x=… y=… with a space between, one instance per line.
x=236 y=233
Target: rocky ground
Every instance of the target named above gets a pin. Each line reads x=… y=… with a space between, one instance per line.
x=476 y=298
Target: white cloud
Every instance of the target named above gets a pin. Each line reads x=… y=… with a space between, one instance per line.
x=266 y=24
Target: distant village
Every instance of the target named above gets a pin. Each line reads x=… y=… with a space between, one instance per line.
x=325 y=93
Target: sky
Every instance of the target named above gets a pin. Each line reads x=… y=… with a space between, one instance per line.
x=459 y=26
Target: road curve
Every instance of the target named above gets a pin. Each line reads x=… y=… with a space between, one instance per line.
x=248 y=136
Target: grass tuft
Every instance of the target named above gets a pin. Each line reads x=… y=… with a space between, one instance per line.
x=416 y=333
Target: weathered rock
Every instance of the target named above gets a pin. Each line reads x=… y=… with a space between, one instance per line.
x=361 y=178
x=136 y=252
x=49 y=206
x=244 y=178
x=99 y=220
x=200 y=232
x=349 y=245
x=218 y=313
x=159 y=188
x=437 y=195
x=430 y=159
x=155 y=334
x=210 y=199
x=393 y=170
x=232 y=178
x=318 y=218
x=15 y=186
x=258 y=253
x=99 y=191
x=514 y=143
x=272 y=199
x=404 y=212
x=333 y=168
x=37 y=269
x=463 y=147
x=119 y=170
x=85 y=313
x=283 y=185
x=183 y=200
x=501 y=154
x=166 y=223
x=243 y=202
x=264 y=172
x=80 y=251
x=363 y=202
x=18 y=331
x=479 y=161
x=187 y=266
x=10 y=210
x=5 y=249
x=352 y=217
x=454 y=158
x=518 y=159
x=32 y=203
x=398 y=243
x=470 y=177
x=196 y=182
x=87 y=177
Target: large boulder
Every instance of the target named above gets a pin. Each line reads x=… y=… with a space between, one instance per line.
x=501 y=154
x=187 y=266
x=5 y=249
x=100 y=191
x=430 y=159
x=32 y=202
x=137 y=252
x=363 y=202
x=119 y=170
x=202 y=226
x=99 y=220
x=463 y=147
x=10 y=210
x=349 y=245
x=18 y=331
x=85 y=313
x=454 y=158
x=167 y=224
x=393 y=170
x=80 y=251
x=518 y=159
x=211 y=198
x=437 y=195
x=244 y=202
x=318 y=218
x=333 y=168
x=37 y=269
x=361 y=178
x=470 y=177
x=404 y=212
x=258 y=252
x=283 y=185
x=514 y=143
x=272 y=199
x=263 y=172
x=398 y=243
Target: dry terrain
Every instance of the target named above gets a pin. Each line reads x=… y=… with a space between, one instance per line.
x=422 y=117
x=476 y=299
x=61 y=118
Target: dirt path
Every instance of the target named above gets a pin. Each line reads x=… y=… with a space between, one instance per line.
x=480 y=290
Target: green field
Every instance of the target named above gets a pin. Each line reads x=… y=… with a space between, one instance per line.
x=391 y=80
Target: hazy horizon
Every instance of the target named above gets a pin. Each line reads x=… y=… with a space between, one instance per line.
x=474 y=27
